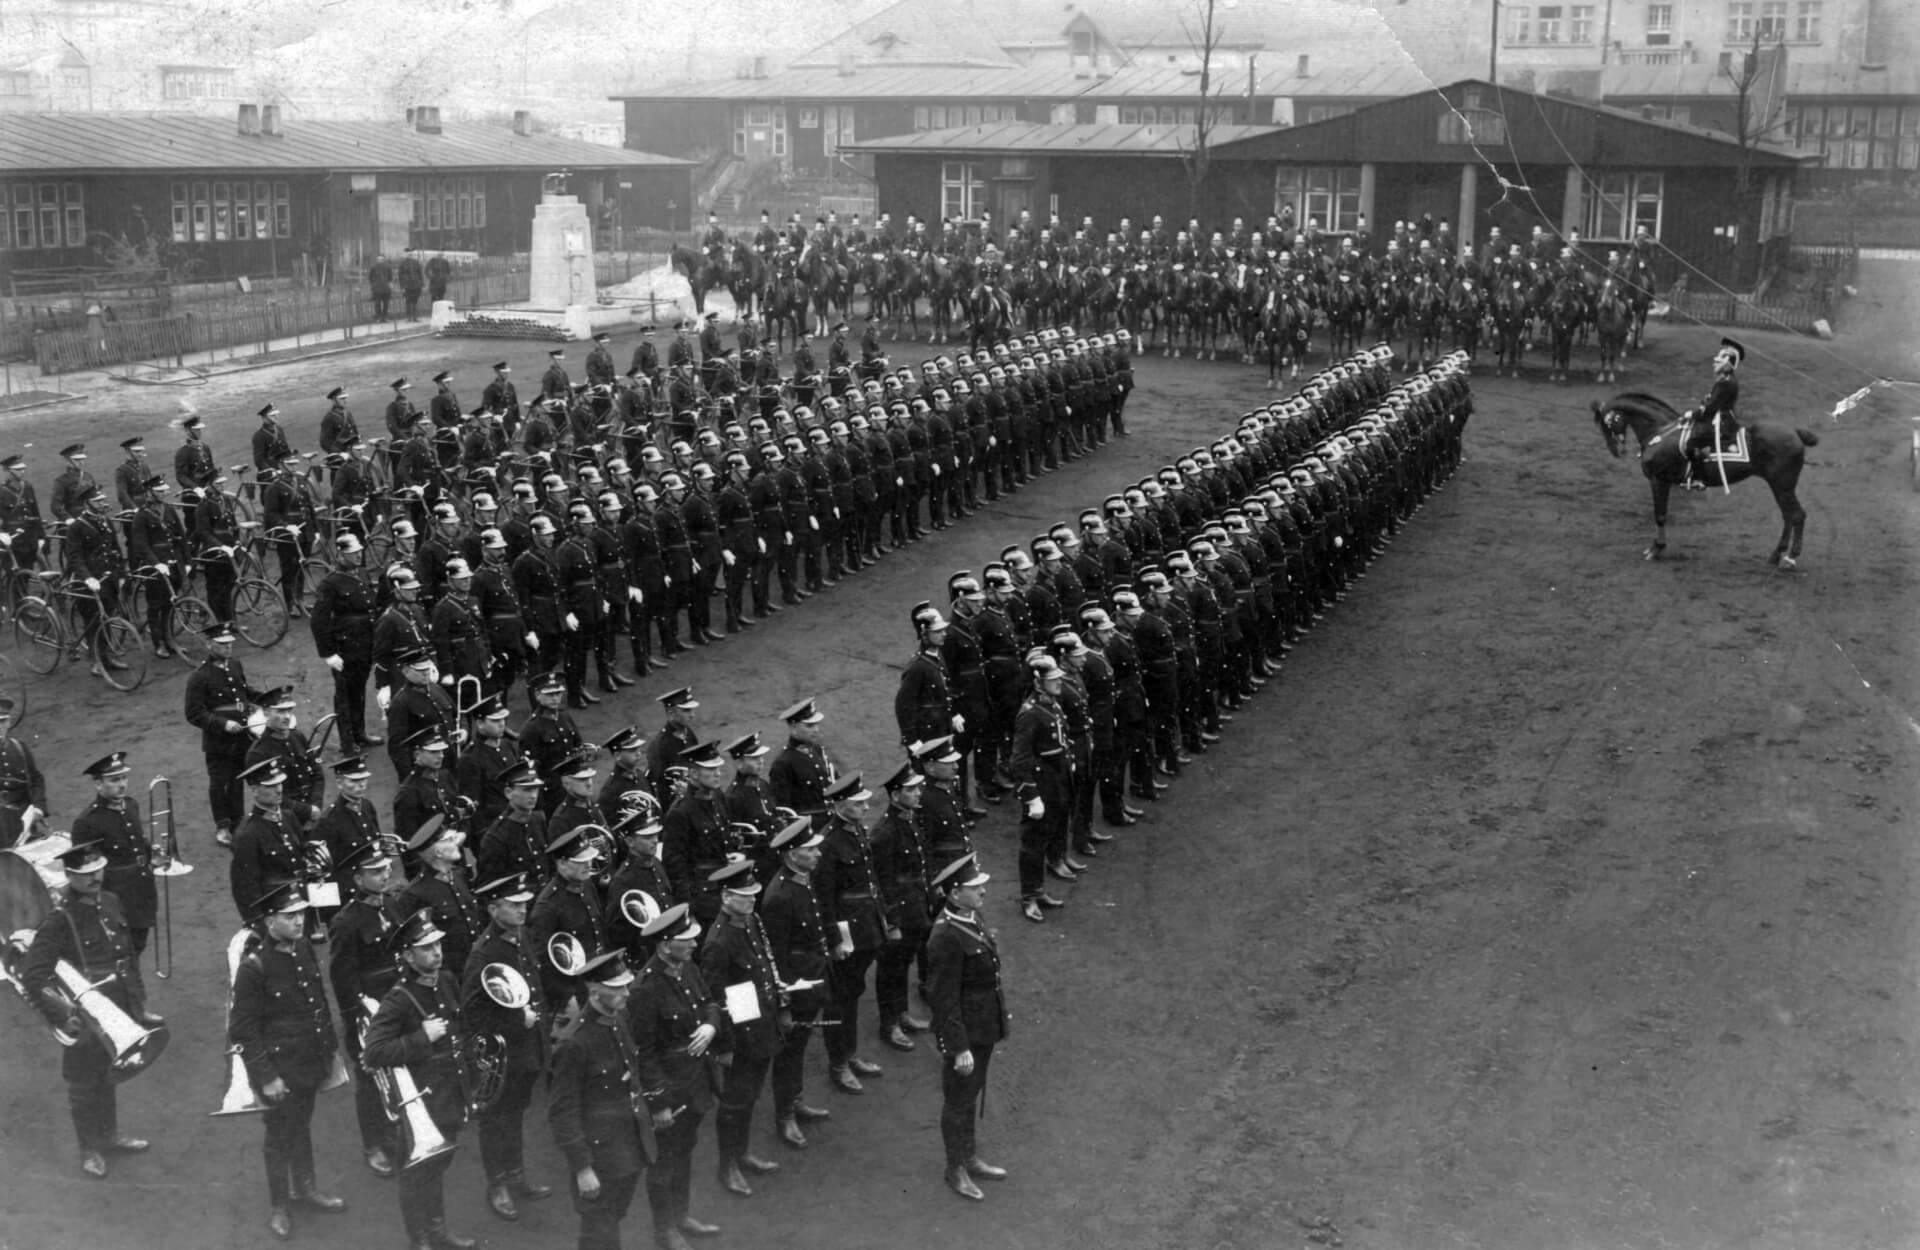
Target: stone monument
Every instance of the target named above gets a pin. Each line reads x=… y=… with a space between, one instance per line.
x=561 y=256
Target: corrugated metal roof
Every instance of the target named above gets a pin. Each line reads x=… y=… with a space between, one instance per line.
x=1018 y=137
x=1703 y=78
x=78 y=142
x=909 y=32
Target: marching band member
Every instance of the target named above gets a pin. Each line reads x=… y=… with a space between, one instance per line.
x=675 y=1019
x=282 y=1027
x=112 y=823
x=87 y=930
x=417 y=1028
x=361 y=966
x=521 y=1028
x=594 y=1106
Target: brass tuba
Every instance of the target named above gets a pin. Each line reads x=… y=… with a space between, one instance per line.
x=639 y=907
x=565 y=953
x=404 y=1101
x=240 y=1097
x=131 y=1045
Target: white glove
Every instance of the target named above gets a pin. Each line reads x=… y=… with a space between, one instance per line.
x=667 y=580
x=633 y=594
x=899 y=481
x=1069 y=408
x=836 y=514
x=447 y=680
x=336 y=663
x=572 y=622
x=165 y=570
x=762 y=545
x=813 y=523
x=605 y=607
x=936 y=468
x=789 y=538
x=1338 y=542
x=992 y=442
x=729 y=558
x=532 y=640
x=93 y=583
x=383 y=696
x=30 y=817
x=959 y=723
x=694 y=565
x=1036 y=808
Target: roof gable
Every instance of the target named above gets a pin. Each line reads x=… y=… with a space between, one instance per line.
x=909 y=32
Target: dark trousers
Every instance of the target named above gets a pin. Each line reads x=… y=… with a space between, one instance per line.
x=225 y=794
x=671 y=1177
x=423 y=1193
x=736 y=590
x=381 y=299
x=289 y=1146
x=848 y=978
x=960 y=1103
x=789 y=1069
x=160 y=592
x=88 y=1071
x=502 y=1142
x=746 y=1076
x=350 y=698
x=220 y=579
x=700 y=607
x=577 y=642
x=1035 y=837
x=890 y=974
x=601 y=1214
x=761 y=578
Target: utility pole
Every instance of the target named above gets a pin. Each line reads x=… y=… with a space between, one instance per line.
x=1493 y=46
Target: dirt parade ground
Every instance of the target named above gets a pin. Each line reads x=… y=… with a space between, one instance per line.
x=1550 y=898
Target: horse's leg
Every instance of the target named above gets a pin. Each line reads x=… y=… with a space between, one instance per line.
x=1793 y=521
x=1661 y=490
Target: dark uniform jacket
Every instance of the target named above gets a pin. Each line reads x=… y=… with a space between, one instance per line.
x=91 y=935
x=456 y=912
x=849 y=888
x=736 y=952
x=648 y=875
x=422 y=796
x=477 y=775
x=21 y=781
x=266 y=849
x=695 y=841
x=943 y=823
x=306 y=787
x=800 y=776
x=398 y=1038
x=526 y=1045
x=116 y=829
x=594 y=1104
x=905 y=871
x=963 y=985
x=923 y=706
x=360 y=963
x=514 y=843
x=279 y=1019
x=566 y=907
x=790 y=915
x=665 y=1010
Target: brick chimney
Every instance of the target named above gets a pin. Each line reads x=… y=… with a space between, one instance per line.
x=270 y=121
x=522 y=122
x=249 y=120
x=426 y=119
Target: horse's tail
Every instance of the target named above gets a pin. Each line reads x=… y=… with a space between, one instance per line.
x=1807 y=436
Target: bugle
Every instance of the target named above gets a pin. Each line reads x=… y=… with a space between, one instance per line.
x=404 y=1101
x=167 y=864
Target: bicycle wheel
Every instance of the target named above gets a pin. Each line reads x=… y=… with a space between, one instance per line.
x=14 y=686
x=259 y=613
x=38 y=638
x=313 y=571
x=379 y=548
x=121 y=653
x=185 y=621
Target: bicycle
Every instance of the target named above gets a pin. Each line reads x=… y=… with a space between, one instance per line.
x=259 y=614
x=52 y=628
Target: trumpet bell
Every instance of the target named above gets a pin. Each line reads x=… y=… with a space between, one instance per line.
x=337 y=1074
x=132 y=1046
x=504 y=985
x=172 y=868
x=566 y=954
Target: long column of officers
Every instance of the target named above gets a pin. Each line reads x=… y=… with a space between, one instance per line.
x=1086 y=668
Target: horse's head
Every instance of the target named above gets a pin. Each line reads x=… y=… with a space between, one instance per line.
x=1613 y=428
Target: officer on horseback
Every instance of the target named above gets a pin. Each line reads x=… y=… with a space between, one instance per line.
x=1713 y=425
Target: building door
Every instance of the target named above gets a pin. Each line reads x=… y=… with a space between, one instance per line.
x=1012 y=199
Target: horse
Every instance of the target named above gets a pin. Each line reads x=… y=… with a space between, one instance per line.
x=1426 y=311
x=1346 y=314
x=1639 y=284
x=989 y=313
x=829 y=285
x=1612 y=321
x=1565 y=311
x=1467 y=311
x=1140 y=298
x=906 y=283
x=1285 y=323
x=702 y=272
x=1098 y=302
x=745 y=278
x=1510 y=318
x=1386 y=305
x=784 y=305
x=1775 y=456
x=943 y=295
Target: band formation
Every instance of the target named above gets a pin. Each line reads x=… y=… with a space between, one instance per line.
x=660 y=939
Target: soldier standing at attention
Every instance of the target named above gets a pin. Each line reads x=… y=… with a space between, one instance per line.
x=23 y=789
x=969 y=1018
x=675 y=1019
x=595 y=1108
x=216 y=705
x=380 y=284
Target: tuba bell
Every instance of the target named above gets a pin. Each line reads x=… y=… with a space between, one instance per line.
x=404 y=1102
x=639 y=907
x=566 y=954
x=131 y=1045
x=504 y=985
x=240 y=1098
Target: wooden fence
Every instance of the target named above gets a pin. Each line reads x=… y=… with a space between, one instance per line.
x=1801 y=289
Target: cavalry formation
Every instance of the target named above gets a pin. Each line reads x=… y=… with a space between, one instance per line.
x=1253 y=292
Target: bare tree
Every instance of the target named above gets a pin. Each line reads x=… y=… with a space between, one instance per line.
x=1758 y=77
x=1197 y=157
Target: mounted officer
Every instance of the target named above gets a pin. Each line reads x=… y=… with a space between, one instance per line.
x=1714 y=427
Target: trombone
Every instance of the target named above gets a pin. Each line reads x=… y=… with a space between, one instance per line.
x=167 y=865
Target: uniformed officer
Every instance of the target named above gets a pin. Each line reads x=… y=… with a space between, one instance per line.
x=157 y=540
x=577 y=806
x=969 y=1018
x=905 y=873
x=803 y=770
x=522 y=1028
x=71 y=488
x=923 y=705
x=270 y=445
x=338 y=429
x=639 y=889
x=1041 y=770
x=417 y=1027
x=305 y=792
x=361 y=968
x=675 y=1020
x=130 y=475
x=112 y=824
x=87 y=930
x=421 y=704
x=596 y=1107
x=487 y=758
x=23 y=788
x=282 y=1028
x=515 y=842
x=852 y=909
x=627 y=749
x=943 y=815
x=440 y=886
x=20 y=513
x=698 y=837
x=268 y=847
x=459 y=634
x=797 y=933
x=569 y=903
x=674 y=738
x=737 y=954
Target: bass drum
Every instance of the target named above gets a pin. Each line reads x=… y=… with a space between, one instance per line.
x=28 y=876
